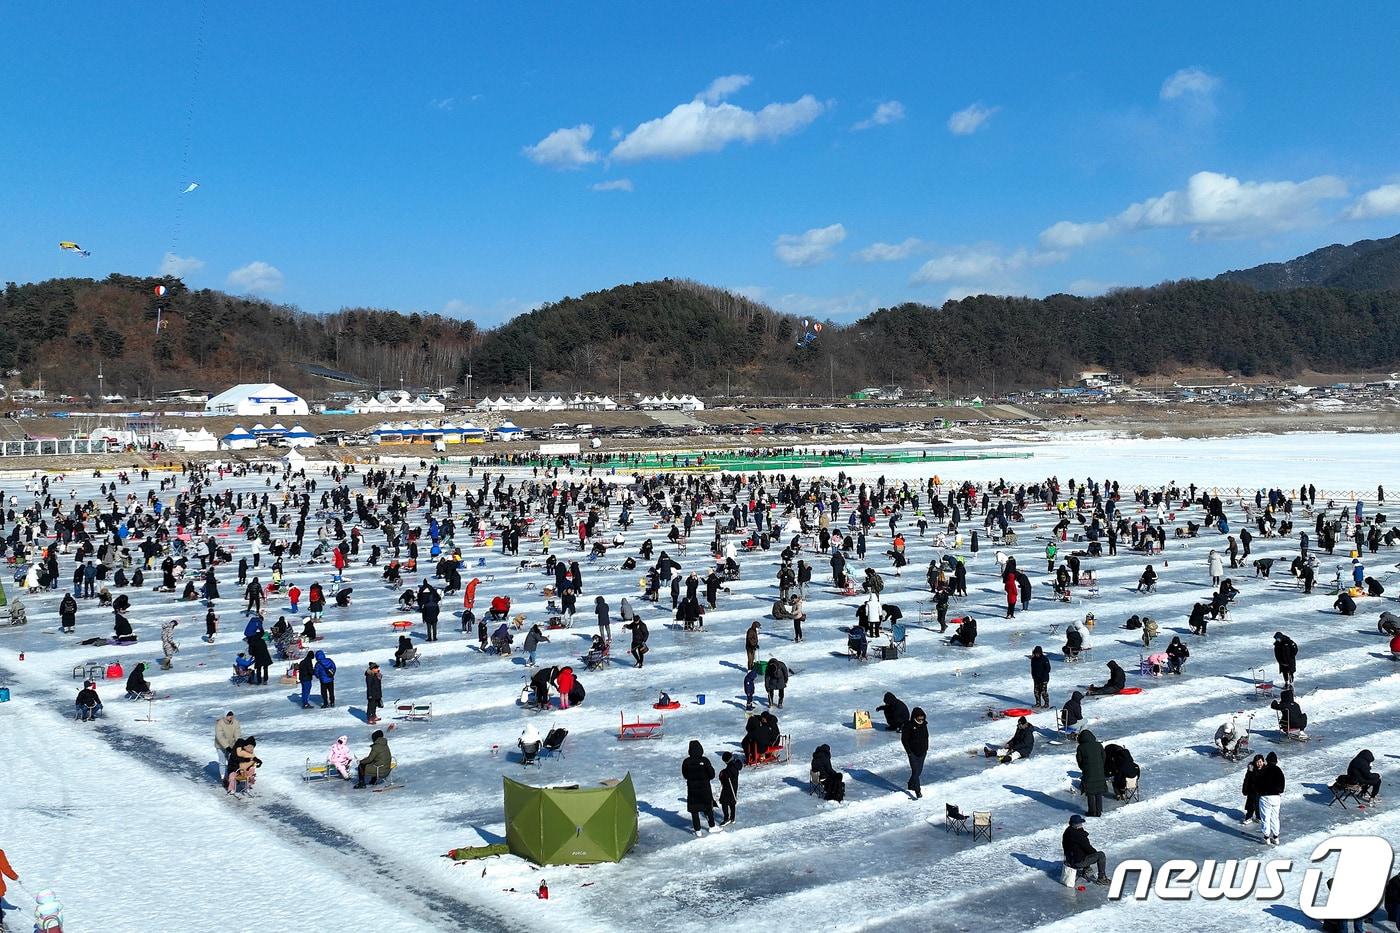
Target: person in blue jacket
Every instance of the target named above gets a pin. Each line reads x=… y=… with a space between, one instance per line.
x=254 y=628
x=325 y=673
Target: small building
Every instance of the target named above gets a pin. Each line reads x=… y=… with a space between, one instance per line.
x=256 y=399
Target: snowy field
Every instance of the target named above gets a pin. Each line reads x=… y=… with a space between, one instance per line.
x=125 y=821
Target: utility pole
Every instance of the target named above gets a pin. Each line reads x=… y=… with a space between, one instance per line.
x=832 y=360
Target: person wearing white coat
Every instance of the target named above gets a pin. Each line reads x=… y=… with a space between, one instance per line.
x=1217 y=568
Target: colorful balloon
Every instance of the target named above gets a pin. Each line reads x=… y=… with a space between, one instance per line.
x=160 y=291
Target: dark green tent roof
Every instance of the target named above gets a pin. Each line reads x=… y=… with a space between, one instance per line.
x=571 y=825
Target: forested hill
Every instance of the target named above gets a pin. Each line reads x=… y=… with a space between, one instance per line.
x=682 y=336
x=1365 y=264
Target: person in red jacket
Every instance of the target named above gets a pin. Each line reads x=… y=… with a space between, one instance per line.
x=564 y=683
x=5 y=872
x=294 y=594
x=1012 y=595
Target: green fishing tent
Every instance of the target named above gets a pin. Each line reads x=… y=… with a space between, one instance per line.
x=571 y=825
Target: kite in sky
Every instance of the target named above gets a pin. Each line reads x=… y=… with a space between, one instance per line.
x=190 y=187
x=73 y=248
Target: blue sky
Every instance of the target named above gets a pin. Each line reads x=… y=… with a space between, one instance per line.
x=480 y=159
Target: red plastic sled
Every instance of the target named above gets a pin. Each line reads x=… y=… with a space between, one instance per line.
x=674 y=704
x=1017 y=711
x=1130 y=691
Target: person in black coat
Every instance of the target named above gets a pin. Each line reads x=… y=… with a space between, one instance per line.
x=966 y=633
x=832 y=784
x=121 y=629
x=136 y=685
x=914 y=738
x=1115 y=683
x=638 y=628
x=1286 y=654
x=699 y=795
x=1345 y=604
x=374 y=693
x=1359 y=772
x=1249 y=788
x=1072 y=711
x=1079 y=852
x=1197 y=619
x=262 y=658
x=1177 y=653
x=729 y=786
x=429 y=606
x=1020 y=745
x=1291 y=717
x=540 y=682
x=896 y=712
x=1040 y=677
x=68 y=612
x=1118 y=765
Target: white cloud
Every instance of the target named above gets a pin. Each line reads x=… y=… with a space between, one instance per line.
x=974 y=264
x=971 y=119
x=180 y=266
x=616 y=184
x=564 y=148
x=705 y=124
x=1069 y=235
x=443 y=103
x=890 y=111
x=1189 y=83
x=891 y=252
x=1214 y=205
x=981 y=264
x=256 y=276
x=811 y=248
x=722 y=87
x=1378 y=202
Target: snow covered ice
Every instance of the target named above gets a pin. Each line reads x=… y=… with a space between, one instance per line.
x=126 y=821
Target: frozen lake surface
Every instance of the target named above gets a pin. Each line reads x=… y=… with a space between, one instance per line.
x=125 y=821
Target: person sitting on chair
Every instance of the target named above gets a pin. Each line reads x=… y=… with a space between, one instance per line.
x=529 y=744
x=1079 y=853
x=405 y=652
x=1291 y=718
x=858 y=642
x=89 y=703
x=1359 y=772
x=1177 y=653
x=137 y=688
x=338 y=756
x=378 y=763
x=1074 y=641
x=966 y=633
x=1071 y=714
x=242 y=669
x=1197 y=620
x=1148 y=580
x=1115 y=683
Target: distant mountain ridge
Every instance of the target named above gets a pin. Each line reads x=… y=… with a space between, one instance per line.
x=1366 y=265
x=1334 y=310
